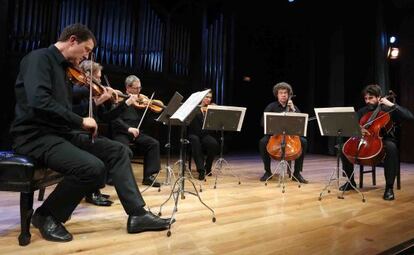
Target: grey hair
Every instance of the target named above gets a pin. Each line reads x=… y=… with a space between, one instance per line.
x=131 y=79
x=86 y=66
x=282 y=85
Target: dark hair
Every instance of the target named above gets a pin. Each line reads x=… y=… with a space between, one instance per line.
x=372 y=89
x=81 y=32
x=282 y=85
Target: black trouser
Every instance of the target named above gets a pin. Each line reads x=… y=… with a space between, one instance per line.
x=266 y=158
x=203 y=147
x=84 y=166
x=146 y=145
x=391 y=162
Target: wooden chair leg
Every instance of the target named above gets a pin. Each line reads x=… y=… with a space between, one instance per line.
x=41 y=194
x=26 y=212
x=361 y=176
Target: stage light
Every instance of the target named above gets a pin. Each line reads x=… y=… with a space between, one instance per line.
x=393 y=52
x=393 y=39
x=291 y=1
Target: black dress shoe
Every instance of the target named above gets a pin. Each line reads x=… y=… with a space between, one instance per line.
x=98 y=199
x=265 y=176
x=51 y=229
x=146 y=222
x=150 y=181
x=346 y=186
x=298 y=177
x=388 y=194
x=201 y=175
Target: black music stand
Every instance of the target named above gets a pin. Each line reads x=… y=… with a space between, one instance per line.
x=164 y=118
x=284 y=123
x=338 y=122
x=223 y=118
x=182 y=117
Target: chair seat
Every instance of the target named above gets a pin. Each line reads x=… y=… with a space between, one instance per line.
x=20 y=173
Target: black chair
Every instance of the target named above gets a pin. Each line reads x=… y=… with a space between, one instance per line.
x=362 y=171
x=19 y=173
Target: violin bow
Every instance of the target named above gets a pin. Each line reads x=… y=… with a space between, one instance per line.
x=90 y=111
x=146 y=109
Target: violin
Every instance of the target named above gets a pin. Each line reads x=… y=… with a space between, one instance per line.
x=78 y=77
x=156 y=106
x=369 y=149
x=293 y=147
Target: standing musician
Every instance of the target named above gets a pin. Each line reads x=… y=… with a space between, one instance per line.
x=104 y=109
x=282 y=91
x=125 y=131
x=204 y=147
x=372 y=96
x=46 y=129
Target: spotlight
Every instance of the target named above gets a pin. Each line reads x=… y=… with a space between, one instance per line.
x=393 y=39
x=291 y=1
x=393 y=53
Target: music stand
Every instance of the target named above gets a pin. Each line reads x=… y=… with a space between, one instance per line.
x=164 y=118
x=284 y=123
x=183 y=116
x=338 y=122
x=223 y=118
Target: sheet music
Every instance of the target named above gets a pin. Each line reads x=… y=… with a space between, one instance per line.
x=330 y=110
x=189 y=105
x=228 y=108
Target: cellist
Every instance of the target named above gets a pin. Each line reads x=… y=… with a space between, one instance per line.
x=372 y=97
x=282 y=92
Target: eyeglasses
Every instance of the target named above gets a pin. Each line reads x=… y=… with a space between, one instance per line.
x=369 y=97
x=137 y=88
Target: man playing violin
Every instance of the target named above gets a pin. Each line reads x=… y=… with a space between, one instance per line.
x=125 y=131
x=283 y=93
x=46 y=129
x=372 y=96
x=104 y=109
x=204 y=147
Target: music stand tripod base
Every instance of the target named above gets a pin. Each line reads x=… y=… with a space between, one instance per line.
x=223 y=118
x=280 y=171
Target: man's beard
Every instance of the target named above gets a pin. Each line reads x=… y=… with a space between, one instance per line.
x=372 y=107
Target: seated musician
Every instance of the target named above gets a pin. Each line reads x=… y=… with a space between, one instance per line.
x=104 y=111
x=46 y=129
x=125 y=131
x=372 y=96
x=282 y=91
x=204 y=147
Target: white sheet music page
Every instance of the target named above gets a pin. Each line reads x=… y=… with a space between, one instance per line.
x=189 y=105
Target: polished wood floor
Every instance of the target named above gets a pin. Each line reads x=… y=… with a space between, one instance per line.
x=251 y=218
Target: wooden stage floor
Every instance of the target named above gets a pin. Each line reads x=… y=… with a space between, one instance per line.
x=251 y=218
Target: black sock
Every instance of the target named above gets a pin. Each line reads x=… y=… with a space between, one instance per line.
x=387 y=186
x=140 y=211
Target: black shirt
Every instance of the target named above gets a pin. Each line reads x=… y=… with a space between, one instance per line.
x=276 y=107
x=43 y=97
x=130 y=117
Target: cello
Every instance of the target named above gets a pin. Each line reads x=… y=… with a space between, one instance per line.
x=293 y=147
x=369 y=149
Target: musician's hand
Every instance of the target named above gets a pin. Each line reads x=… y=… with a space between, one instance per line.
x=89 y=124
x=291 y=106
x=365 y=131
x=106 y=95
x=386 y=102
x=132 y=99
x=133 y=131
